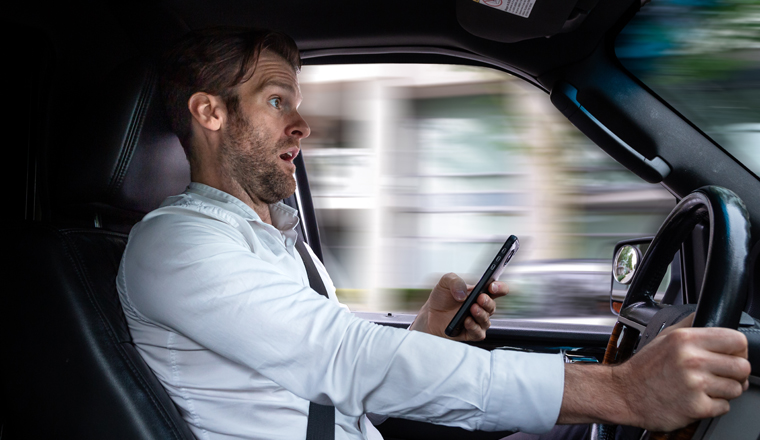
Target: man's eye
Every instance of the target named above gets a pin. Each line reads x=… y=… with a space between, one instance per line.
x=275 y=102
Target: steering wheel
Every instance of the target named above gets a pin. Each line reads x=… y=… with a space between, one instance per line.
x=724 y=286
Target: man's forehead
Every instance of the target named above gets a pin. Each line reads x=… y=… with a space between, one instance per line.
x=273 y=70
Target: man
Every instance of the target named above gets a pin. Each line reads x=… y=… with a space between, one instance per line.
x=219 y=304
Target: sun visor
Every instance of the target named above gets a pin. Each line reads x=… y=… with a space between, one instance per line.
x=509 y=21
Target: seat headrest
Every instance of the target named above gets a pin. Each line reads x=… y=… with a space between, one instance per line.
x=123 y=160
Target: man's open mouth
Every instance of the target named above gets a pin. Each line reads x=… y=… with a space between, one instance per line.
x=290 y=154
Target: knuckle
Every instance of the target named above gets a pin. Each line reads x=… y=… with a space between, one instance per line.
x=695 y=382
x=706 y=407
x=692 y=361
x=683 y=357
x=451 y=276
x=471 y=325
x=680 y=336
x=476 y=311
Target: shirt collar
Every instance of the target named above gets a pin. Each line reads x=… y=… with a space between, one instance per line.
x=283 y=216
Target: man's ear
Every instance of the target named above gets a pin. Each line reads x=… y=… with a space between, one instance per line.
x=208 y=110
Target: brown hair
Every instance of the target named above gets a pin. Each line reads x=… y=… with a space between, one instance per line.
x=214 y=61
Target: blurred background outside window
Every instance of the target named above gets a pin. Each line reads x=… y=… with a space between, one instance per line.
x=419 y=170
x=703 y=58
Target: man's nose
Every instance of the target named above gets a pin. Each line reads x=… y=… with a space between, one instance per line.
x=299 y=128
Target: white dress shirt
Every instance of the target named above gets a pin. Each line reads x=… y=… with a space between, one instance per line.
x=219 y=305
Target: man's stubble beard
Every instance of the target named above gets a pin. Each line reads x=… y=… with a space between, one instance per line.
x=253 y=165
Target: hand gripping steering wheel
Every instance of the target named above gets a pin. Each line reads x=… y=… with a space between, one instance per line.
x=724 y=286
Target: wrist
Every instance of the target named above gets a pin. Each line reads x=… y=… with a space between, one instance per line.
x=595 y=394
x=621 y=390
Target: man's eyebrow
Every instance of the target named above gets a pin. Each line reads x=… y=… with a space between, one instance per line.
x=272 y=82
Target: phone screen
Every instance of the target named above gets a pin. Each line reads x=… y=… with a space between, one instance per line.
x=491 y=274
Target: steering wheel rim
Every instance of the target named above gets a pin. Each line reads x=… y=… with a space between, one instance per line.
x=723 y=292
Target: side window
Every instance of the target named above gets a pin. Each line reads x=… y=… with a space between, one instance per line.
x=706 y=64
x=419 y=170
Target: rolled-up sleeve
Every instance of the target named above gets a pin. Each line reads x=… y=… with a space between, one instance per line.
x=199 y=277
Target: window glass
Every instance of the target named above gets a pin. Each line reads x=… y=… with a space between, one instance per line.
x=420 y=170
x=703 y=57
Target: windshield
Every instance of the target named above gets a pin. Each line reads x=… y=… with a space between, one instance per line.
x=703 y=58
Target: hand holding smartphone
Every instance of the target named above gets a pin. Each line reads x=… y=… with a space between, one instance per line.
x=491 y=274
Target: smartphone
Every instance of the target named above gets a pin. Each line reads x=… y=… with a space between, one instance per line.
x=491 y=274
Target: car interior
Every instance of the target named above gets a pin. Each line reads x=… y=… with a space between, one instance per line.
x=91 y=152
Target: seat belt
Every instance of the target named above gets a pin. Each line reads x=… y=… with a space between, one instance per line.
x=321 y=423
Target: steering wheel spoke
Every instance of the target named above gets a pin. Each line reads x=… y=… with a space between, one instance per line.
x=638 y=315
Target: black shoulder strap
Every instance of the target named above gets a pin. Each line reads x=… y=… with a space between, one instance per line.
x=321 y=424
x=315 y=281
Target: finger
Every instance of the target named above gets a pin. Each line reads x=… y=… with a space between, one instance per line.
x=487 y=304
x=730 y=367
x=498 y=288
x=703 y=406
x=474 y=332
x=714 y=339
x=719 y=407
x=718 y=340
x=722 y=388
x=482 y=318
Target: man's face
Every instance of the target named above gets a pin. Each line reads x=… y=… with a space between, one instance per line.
x=263 y=134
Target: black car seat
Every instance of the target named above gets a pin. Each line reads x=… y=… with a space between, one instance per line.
x=70 y=369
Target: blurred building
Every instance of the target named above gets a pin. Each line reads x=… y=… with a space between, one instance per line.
x=419 y=170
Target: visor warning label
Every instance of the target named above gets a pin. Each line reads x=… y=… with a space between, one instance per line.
x=522 y=8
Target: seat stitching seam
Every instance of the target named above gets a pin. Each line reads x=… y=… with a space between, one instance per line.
x=133 y=135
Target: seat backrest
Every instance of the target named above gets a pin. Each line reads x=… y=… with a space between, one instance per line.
x=70 y=369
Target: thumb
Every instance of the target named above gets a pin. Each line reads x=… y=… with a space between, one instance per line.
x=455 y=285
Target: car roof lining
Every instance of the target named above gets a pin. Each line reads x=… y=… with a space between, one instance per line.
x=392 y=23
x=92 y=38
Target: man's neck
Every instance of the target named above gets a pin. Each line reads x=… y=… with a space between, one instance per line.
x=234 y=189
x=261 y=208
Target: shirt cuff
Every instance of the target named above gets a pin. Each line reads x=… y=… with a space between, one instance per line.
x=525 y=393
